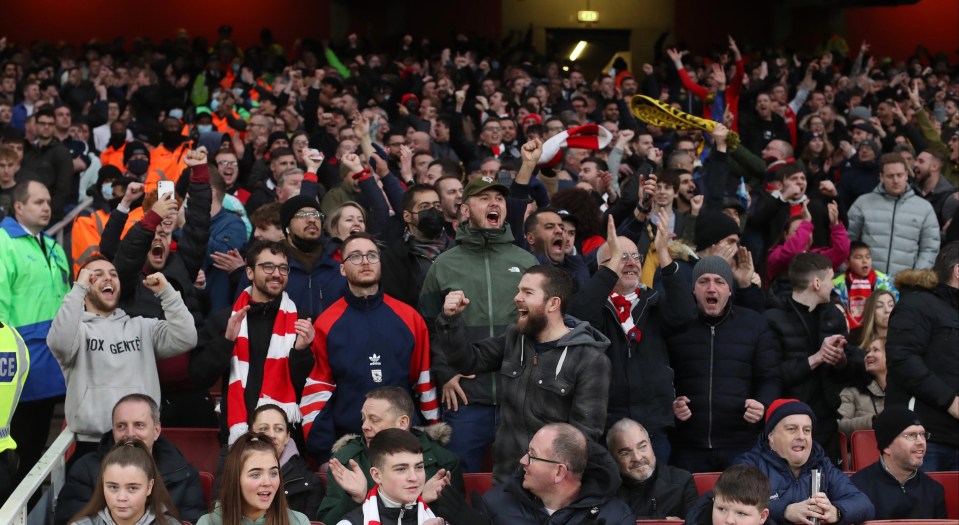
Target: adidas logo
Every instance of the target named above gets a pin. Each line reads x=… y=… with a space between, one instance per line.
x=374 y=360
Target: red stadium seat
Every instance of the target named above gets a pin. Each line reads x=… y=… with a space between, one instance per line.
x=200 y=446
x=206 y=481
x=949 y=481
x=478 y=482
x=864 y=449
x=844 y=451
x=705 y=481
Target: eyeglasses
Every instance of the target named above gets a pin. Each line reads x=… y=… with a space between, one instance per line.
x=625 y=257
x=544 y=460
x=301 y=143
x=269 y=268
x=912 y=436
x=307 y=214
x=227 y=163
x=357 y=258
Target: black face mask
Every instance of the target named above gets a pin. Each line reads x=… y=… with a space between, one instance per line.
x=305 y=245
x=171 y=139
x=138 y=166
x=430 y=223
x=117 y=140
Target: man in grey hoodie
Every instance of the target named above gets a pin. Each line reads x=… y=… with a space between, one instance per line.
x=561 y=377
x=106 y=354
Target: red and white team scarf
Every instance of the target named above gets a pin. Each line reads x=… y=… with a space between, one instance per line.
x=858 y=291
x=624 y=304
x=589 y=136
x=371 y=512
x=277 y=388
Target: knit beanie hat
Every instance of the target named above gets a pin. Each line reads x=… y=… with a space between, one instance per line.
x=891 y=422
x=293 y=205
x=134 y=148
x=712 y=227
x=783 y=408
x=715 y=265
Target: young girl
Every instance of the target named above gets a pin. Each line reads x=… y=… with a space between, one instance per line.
x=303 y=487
x=250 y=493
x=129 y=491
x=797 y=238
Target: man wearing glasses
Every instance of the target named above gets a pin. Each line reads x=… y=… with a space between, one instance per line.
x=894 y=484
x=562 y=478
x=365 y=340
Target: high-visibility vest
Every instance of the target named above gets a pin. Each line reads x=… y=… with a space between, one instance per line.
x=114 y=157
x=87 y=232
x=165 y=165
x=14 y=366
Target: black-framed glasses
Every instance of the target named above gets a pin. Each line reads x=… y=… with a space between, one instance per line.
x=269 y=268
x=532 y=458
x=912 y=436
x=357 y=258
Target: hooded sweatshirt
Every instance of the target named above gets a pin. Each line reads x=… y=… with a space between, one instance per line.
x=566 y=383
x=106 y=358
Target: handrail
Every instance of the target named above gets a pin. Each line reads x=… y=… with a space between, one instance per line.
x=84 y=206
x=52 y=463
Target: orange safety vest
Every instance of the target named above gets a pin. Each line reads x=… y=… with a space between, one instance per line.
x=114 y=157
x=87 y=232
x=165 y=165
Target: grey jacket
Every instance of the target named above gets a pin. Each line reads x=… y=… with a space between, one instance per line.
x=859 y=407
x=104 y=518
x=568 y=383
x=106 y=358
x=902 y=232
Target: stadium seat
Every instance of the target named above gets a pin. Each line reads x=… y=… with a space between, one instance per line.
x=911 y=522
x=864 y=449
x=200 y=446
x=950 y=481
x=844 y=451
x=206 y=481
x=705 y=481
x=478 y=482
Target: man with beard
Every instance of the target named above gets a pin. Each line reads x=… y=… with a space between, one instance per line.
x=552 y=368
x=894 y=484
x=267 y=337
x=487 y=266
x=407 y=260
x=364 y=340
x=931 y=185
x=105 y=353
x=653 y=490
x=546 y=237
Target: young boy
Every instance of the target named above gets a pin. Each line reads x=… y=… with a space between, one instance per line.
x=9 y=165
x=858 y=283
x=397 y=468
x=741 y=497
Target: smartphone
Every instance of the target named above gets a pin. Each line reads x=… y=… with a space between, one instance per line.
x=164 y=187
x=314 y=154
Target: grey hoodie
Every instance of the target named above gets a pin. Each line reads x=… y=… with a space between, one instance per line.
x=106 y=358
x=568 y=383
x=104 y=518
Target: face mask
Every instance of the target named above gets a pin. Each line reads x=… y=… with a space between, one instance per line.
x=204 y=128
x=215 y=104
x=107 y=189
x=117 y=140
x=138 y=166
x=431 y=222
x=238 y=93
x=171 y=139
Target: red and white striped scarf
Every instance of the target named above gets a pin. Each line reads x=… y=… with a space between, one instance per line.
x=588 y=136
x=276 y=388
x=624 y=304
x=371 y=511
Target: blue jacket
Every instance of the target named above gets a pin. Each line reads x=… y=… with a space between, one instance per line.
x=227 y=232
x=786 y=489
x=719 y=363
x=509 y=503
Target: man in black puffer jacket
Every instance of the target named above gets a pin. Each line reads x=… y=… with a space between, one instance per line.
x=816 y=362
x=727 y=372
x=923 y=354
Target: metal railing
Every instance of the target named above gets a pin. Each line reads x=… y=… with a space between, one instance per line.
x=56 y=231
x=53 y=464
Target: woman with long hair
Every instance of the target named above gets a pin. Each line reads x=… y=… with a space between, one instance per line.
x=302 y=486
x=129 y=491
x=860 y=404
x=875 y=318
x=250 y=492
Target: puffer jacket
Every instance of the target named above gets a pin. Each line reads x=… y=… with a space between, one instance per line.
x=902 y=232
x=922 y=351
x=785 y=488
x=509 y=503
x=487 y=266
x=302 y=487
x=568 y=383
x=720 y=362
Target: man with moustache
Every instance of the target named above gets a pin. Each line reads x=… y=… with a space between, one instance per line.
x=894 y=484
x=552 y=368
x=546 y=237
x=652 y=489
x=365 y=340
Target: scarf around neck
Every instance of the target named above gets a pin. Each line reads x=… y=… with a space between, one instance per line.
x=371 y=509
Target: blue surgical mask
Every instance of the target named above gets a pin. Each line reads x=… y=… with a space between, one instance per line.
x=204 y=128
x=107 y=189
x=176 y=113
x=215 y=104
